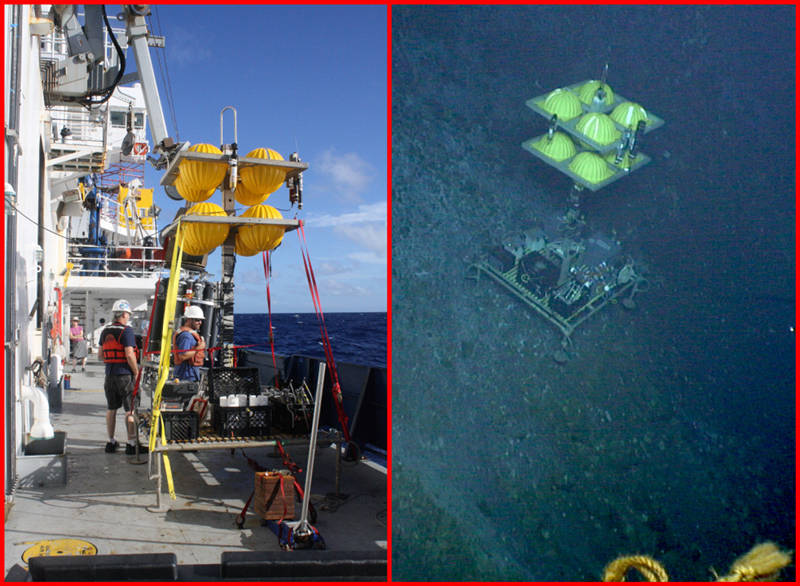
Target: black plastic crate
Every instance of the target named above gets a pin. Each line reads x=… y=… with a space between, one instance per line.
x=242 y=421
x=230 y=421
x=259 y=420
x=182 y=390
x=232 y=381
x=180 y=425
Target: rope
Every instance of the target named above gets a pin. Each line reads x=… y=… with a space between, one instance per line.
x=763 y=563
x=647 y=567
x=326 y=343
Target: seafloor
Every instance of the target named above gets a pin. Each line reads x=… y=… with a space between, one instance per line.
x=670 y=431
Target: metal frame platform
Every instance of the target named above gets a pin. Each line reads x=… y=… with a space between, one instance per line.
x=565 y=325
x=292 y=168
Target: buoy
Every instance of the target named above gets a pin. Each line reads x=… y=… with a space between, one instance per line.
x=198 y=180
x=261 y=237
x=201 y=238
x=261 y=180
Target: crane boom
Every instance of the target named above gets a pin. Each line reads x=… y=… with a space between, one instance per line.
x=137 y=38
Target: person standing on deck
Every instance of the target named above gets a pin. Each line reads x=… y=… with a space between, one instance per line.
x=79 y=347
x=188 y=345
x=118 y=347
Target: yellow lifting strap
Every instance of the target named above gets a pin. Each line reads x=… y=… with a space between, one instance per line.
x=763 y=563
x=157 y=421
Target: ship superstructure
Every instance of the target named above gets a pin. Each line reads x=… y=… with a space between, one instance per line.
x=80 y=223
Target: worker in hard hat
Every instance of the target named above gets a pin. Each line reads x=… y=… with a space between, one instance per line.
x=119 y=352
x=188 y=345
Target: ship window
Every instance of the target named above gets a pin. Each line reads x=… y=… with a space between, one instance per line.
x=118 y=118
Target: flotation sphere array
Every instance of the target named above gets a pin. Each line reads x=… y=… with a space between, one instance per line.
x=253 y=239
x=197 y=180
x=202 y=238
x=259 y=182
x=558 y=148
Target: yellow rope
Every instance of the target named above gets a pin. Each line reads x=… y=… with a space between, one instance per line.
x=763 y=563
x=647 y=567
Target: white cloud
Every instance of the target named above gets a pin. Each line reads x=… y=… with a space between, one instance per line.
x=349 y=173
x=366 y=227
x=374 y=212
x=368 y=257
x=187 y=48
x=369 y=236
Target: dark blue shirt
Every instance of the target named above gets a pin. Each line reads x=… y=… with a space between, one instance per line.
x=128 y=338
x=186 y=370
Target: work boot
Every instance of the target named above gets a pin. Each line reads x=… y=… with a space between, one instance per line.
x=130 y=449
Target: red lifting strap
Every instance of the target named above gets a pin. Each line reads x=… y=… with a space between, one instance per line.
x=326 y=343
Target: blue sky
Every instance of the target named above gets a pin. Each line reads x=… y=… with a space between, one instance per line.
x=310 y=79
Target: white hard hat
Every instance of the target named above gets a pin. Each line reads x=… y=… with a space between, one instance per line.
x=194 y=312
x=121 y=305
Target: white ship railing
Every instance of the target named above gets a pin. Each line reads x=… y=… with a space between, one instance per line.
x=85 y=129
x=105 y=264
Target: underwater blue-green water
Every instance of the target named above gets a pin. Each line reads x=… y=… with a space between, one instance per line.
x=671 y=429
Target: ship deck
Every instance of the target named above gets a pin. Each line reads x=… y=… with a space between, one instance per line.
x=110 y=502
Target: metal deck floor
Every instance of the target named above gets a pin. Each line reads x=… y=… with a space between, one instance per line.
x=109 y=502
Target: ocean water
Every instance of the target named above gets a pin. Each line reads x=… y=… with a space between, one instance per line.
x=671 y=429
x=356 y=338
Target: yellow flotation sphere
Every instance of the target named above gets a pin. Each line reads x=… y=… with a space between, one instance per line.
x=262 y=180
x=197 y=180
x=558 y=148
x=201 y=238
x=588 y=91
x=628 y=114
x=591 y=167
x=241 y=249
x=261 y=237
x=246 y=197
x=563 y=103
x=599 y=127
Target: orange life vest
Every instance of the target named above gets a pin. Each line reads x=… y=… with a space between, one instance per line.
x=112 y=349
x=199 y=355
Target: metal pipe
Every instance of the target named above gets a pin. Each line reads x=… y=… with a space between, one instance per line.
x=302 y=525
x=12 y=186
